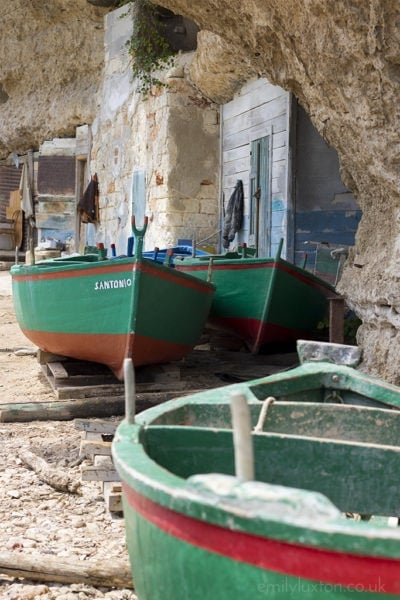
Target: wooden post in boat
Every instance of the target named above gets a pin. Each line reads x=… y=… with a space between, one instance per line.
x=168 y=257
x=138 y=234
x=209 y=272
x=130 y=396
x=242 y=440
x=279 y=252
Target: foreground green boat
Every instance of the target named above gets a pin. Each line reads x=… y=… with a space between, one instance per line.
x=261 y=300
x=313 y=521
x=107 y=310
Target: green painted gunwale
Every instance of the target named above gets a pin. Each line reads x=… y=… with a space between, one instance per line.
x=261 y=299
x=209 y=410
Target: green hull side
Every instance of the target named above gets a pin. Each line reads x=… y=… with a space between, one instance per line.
x=166 y=568
x=97 y=300
x=263 y=300
x=110 y=310
x=76 y=303
x=214 y=532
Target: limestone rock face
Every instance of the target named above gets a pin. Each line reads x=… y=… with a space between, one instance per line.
x=342 y=61
x=51 y=59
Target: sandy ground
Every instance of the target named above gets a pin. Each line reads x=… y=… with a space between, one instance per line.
x=34 y=517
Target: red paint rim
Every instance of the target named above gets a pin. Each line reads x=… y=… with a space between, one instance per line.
x=308 y=278
x=111 y=268
x=354 y=572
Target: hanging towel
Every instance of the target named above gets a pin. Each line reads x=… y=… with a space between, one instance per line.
x=26 y=194
x=233 y=214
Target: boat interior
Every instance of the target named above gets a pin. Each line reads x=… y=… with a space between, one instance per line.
x=350 y=454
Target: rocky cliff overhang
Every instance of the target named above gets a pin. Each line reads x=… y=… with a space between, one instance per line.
x=340 y=59
x=51 y=61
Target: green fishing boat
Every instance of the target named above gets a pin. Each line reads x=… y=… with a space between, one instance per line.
x=282 y=487
x=101 y=310
x=261 y=300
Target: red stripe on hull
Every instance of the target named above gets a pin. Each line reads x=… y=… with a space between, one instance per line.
x=255 y=333
x=305 y=277
x=109 y=349
x=114 y=268
x=64 y=273
x=170 y=275
x=314 y=564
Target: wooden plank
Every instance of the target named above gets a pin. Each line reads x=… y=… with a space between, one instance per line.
x=91 y=436
x=261 y=93
x=95 y=447
x=85 y=392
x=47 y=357
x=95 y=473
x=54 y=221
x=62 y=410
x=113 y=496
x=34 y=566
x=66 y=392
x=82 y=408
x=10 y=212
x=96 y=426
x=257 y=115
x=54 y=206
x=57 y=370
x=336 y=320
x=244 y=136
x=15 y=199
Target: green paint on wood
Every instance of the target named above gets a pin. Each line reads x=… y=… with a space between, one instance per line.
x=314 y=461
x=262 y=300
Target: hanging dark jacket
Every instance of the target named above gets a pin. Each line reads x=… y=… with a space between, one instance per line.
x=88 y=204
x=233 y=214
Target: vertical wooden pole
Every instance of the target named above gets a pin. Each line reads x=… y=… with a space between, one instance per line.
x=130 y=392
x=242 y=440
x=336 y=320
x=31 y=219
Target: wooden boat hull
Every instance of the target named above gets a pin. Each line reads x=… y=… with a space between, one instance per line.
x=262 y=300
x=105 y=311
x=195 y=531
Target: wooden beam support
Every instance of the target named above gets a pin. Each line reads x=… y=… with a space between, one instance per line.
x=336 y=319
x=110 y=573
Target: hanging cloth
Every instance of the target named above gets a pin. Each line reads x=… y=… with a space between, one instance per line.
x=88 y=205
x=233 y=214
x=26 y=194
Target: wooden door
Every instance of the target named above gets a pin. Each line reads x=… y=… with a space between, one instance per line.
x=260 y=196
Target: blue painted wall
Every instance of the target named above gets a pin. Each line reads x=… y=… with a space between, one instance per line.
x=324 y=210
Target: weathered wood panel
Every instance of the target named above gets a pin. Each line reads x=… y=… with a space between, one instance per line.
x=65 y=222
x=57 y=206
x=259 y=110
x=56 y=175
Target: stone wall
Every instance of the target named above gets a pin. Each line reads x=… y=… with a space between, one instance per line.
x=172 y=137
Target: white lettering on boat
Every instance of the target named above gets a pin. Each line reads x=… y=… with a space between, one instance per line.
x=112 y=284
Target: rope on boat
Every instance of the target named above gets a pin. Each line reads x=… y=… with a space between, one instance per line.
x=263 y=414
